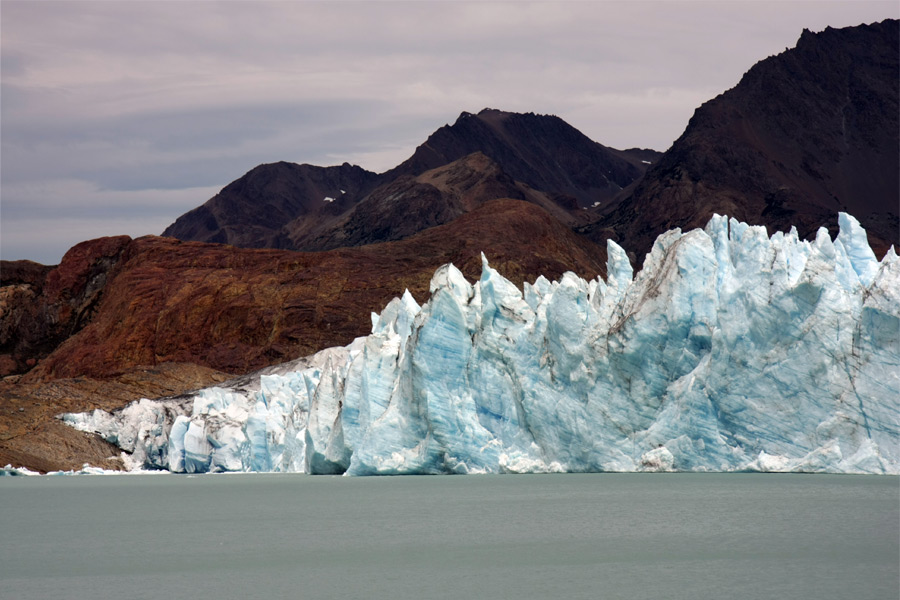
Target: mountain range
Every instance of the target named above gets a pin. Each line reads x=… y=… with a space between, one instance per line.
x=289 y=259
x=494 y=154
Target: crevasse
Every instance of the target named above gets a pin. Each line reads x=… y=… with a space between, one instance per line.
x=730 y=350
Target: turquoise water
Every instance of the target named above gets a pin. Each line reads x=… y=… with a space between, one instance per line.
x=529 y=536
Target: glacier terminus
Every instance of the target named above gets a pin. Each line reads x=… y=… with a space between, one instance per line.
x=729 y=351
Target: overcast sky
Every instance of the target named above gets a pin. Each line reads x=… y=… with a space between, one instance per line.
x=118 y=116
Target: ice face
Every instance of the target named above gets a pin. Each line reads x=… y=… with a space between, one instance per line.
x=730 y=350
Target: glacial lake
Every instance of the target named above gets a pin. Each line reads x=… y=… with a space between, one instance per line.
x=603 y=536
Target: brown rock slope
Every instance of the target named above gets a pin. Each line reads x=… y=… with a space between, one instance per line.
x=236 y=309
x=31 y=436
x=804 y=135
x=41 y=306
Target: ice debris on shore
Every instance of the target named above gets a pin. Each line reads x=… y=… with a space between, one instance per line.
x=86 y=469
x=730 y=350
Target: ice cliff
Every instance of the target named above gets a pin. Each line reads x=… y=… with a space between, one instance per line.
x=730 y=350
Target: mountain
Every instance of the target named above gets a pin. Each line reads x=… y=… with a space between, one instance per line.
x=409 y=204
x=542 y=151
x=251 y=211
x=539 y=158
x=805 y=134
x=729 y=351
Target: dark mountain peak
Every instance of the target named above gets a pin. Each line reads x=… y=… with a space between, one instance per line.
x=497 y=117
x=275 y=173
x=805 y=134
x=542 y=151
x=494 y=113
x=251 y=211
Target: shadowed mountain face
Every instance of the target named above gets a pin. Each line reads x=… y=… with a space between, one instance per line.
x=409 y=204
x=805 y=134
x=252 y=211
x=537 y=158
x=542 y=151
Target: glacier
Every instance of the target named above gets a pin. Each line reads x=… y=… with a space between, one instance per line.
x=729 y=351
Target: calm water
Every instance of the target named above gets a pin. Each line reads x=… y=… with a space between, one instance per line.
x=531 y=536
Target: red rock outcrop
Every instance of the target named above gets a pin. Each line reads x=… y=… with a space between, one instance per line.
x=42 y=306
x=236 y=310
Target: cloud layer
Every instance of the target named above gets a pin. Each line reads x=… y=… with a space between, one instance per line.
x=119 y=116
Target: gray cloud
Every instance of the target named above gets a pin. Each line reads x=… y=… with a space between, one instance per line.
x=126 y=114
x=184 y=148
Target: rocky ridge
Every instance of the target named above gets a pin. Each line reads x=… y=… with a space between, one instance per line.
x=538 y=158
x=804 y=135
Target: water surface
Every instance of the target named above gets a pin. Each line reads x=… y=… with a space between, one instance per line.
x=529 y=536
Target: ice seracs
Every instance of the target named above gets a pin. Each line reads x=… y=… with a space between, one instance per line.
x=730 y=350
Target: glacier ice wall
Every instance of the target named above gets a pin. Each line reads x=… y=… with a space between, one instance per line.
x=730 y=350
